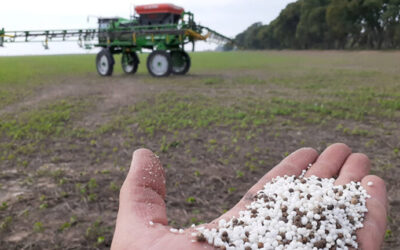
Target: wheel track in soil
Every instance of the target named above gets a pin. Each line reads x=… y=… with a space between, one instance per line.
x=113 y=93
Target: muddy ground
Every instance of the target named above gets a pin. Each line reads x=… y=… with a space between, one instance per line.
x=63 y=194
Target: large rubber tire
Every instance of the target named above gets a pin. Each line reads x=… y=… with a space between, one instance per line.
x=180 y=62
x=159 y=63
x=105 y=62
x=130 y=62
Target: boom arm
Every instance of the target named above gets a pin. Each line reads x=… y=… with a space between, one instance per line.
x=82 y=35
x=215 y=37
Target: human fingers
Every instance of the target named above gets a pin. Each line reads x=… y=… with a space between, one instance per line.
x=354 y=169
x=371 y=236
x=141 y=203
x=294 y=164
x=142 y=219
x=143 y=192
x=330 y=161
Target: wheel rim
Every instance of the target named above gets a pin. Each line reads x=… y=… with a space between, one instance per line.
x=159 y=65
x=179 y=62
x=128 y=67
x=103 y=65
x=127 y=63
x=178 y=68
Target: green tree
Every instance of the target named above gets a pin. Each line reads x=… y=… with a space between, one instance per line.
x=312 y=29
x=285 y=26
x=328 y=24
x=391 y=21
x=371 y=20
x=248 y=38
x=341 y=23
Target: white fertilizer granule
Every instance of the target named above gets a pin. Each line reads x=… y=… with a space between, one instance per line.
x=294 y=213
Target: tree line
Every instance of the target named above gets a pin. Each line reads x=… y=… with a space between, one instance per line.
x=328 y=24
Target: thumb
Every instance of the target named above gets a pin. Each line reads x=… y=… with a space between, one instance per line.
x=143 y=192
x=141 y=201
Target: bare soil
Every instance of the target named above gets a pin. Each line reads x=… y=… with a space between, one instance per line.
x=61 y=179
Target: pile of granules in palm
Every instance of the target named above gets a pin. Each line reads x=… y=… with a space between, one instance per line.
x=294 y=213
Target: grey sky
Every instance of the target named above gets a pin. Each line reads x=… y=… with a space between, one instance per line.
x=228 y=17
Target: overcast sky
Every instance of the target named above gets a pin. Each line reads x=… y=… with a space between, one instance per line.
x=228 y=17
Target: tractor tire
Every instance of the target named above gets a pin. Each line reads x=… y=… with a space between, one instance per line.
x=180 y=62
x=105 y=62
x=159 y=63
x=130 y=62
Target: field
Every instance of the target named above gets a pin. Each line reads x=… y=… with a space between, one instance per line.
x=67 y=135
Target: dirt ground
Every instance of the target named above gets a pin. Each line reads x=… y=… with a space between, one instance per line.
x=65 y=196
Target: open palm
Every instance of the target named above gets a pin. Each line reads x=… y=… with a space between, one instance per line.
x=143 y=192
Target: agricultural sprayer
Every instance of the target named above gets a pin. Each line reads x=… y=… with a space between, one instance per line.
x=164 y=29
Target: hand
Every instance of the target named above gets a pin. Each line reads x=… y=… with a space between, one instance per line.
x=143 y=192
